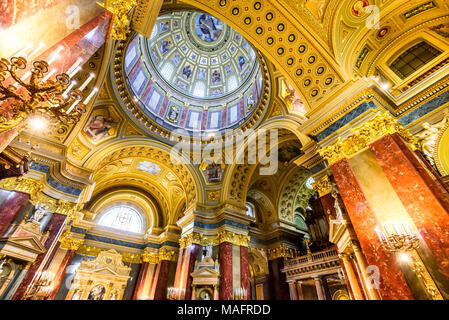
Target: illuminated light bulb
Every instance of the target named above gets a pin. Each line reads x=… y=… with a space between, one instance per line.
x=70 y=87
x=52 y=72
x=38 y=123
x=94 y=90
x=75 y=66
x=88 y=80
x=75 y=71
x=35 y=51
x=404 y=257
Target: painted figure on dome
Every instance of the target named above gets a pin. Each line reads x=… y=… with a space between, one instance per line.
x=208 y=28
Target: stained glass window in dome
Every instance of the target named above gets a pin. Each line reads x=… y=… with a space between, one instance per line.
x=123 y=218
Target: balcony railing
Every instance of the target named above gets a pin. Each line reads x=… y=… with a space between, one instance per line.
x=321 y=256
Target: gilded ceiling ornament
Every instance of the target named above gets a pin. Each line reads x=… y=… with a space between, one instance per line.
x=323 y=186
x=213 y=195
x=381 y=124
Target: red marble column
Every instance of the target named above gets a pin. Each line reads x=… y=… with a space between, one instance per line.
x=191 y=253
x=245 y=276
x=161 y=279
x=423 y=196
x=179 y=267
x=393 y=285
x=140 y=280
x=78 y=45
x=59 y=276
x=278 y=280
x=225 y=260
x=55 y=226
x=13 y=202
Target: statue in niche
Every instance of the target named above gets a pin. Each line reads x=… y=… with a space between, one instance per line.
x=335 y=193
x=208 y=251
x=213 y=172
x=429 y=137
x=40 y=211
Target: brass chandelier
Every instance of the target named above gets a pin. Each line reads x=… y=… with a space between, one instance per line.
x=39 y=96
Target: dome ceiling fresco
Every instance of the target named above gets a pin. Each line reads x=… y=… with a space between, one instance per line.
x=194 y=73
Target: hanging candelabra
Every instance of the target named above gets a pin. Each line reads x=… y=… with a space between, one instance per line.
x=35 y=95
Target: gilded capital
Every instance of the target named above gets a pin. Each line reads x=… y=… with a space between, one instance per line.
x=69 y=242
x=234 y=238
x=195 y=238
x=166 y=255
x=381 y=124
x=150 y=257
x=322 y=186
x=280 y=252
x=31 y=186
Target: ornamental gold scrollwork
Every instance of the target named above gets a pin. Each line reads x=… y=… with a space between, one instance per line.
x=150 y=257
x=381 y=124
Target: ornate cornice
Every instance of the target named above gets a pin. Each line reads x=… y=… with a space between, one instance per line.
x=322 y=186
x=381 y=124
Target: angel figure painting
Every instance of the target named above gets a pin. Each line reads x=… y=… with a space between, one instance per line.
x=100 y=126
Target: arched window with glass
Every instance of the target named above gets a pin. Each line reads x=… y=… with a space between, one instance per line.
x=122 y=217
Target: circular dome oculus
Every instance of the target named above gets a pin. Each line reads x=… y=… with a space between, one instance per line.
x=194 y=72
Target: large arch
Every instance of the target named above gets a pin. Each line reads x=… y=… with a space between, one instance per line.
x=187 y=174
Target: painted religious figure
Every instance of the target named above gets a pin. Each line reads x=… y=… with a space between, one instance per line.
x=208 y=28
x=97 y=293
x=173 y=113
x=242 y=62
x=213 y=172
x=187 y=72
x=216 y=77
x=99 y=126
x=165 y=46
